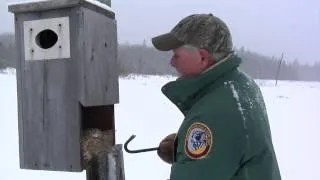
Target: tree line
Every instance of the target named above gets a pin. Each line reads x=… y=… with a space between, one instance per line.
x=143 y=59
x=6 y=50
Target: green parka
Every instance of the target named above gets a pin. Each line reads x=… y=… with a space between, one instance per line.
x=225 y=134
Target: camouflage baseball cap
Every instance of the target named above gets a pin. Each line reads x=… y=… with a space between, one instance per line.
x=201 y=30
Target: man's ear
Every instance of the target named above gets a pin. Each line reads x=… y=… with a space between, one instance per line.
x=204 y=54
x=206 y=59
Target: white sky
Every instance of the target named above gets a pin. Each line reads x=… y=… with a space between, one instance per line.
x=269 y=27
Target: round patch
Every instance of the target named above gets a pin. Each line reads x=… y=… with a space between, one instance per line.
x=198 y=141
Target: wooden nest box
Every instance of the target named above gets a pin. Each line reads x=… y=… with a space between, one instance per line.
x=67 y=78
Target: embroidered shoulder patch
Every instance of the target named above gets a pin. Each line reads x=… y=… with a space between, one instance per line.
x=198 y=142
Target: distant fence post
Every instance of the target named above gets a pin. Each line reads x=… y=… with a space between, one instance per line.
x=278 y=69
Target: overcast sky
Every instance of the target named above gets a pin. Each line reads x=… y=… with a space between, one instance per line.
x=269 y=27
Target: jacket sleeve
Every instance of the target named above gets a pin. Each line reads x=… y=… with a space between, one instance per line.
x=214 y=144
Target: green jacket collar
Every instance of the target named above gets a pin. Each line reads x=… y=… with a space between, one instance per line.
x=184 y=92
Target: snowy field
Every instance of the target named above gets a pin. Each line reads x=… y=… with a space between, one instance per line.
x=293 y=109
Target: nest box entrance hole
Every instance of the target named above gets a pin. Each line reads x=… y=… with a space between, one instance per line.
x=98 y=117
x=46 y=39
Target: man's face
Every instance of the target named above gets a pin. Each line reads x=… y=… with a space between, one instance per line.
x=188 y=62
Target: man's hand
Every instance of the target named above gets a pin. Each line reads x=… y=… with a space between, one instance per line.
x=166 y=148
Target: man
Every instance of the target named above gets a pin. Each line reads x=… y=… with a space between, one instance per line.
x=225 y=134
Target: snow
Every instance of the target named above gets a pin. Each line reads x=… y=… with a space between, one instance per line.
x=25 y=2
x=95 y=2
x=143 y=110
x=236 y=96
x=234 y=92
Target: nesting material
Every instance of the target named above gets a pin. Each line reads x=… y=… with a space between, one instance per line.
x=94 y=143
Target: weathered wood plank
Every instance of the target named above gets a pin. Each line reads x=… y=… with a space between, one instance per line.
x=62 y=117
x=62 y=112
x=73 y=121
x=30 y=88
x=98 y=71
x=33 y=117
x=19 y=75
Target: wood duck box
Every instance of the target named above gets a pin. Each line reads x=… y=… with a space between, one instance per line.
x=67 y=78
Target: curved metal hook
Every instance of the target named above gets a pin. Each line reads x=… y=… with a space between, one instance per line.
x=139 y=150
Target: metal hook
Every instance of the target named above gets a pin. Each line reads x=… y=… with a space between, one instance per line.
x=139 y=150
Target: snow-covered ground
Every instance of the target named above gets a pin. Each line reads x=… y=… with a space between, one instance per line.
x=293 y=109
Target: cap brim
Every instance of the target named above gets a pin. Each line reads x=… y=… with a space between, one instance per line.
x=166 y=42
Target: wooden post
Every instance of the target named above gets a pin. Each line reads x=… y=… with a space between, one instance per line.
x=278 y=70
x=107 y=166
